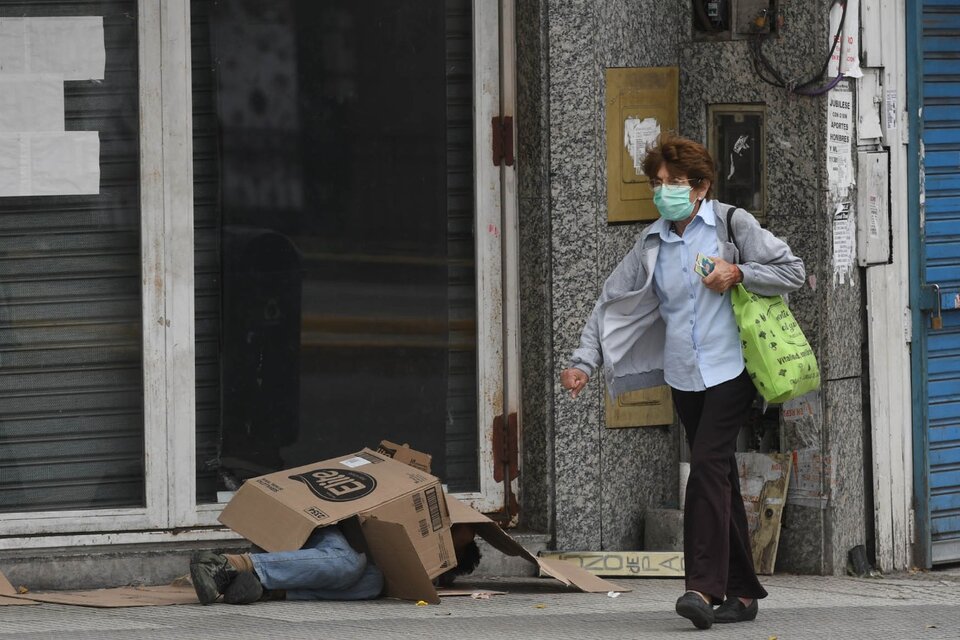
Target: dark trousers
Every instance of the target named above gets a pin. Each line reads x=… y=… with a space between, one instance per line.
x=716 y=541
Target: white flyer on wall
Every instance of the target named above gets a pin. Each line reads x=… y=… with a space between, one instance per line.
x=845 y=56
x=37 y=156
x=840 y=141
x=891 y=109
x=637 y=136
x=49 y=163
x=844 y=242
x=70 y=46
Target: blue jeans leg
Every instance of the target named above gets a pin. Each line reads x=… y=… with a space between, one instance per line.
x=368 y=587
x=326 y=562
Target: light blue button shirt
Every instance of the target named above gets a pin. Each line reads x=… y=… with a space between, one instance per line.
x=703 y=346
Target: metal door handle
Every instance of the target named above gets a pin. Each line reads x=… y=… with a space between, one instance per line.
x=936 y=319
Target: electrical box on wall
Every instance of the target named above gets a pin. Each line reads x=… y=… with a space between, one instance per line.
x=873 y=208
x=736 y=138
x=641 y=103
x=733 y=19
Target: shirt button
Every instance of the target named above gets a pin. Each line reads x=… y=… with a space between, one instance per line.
x=691 y=322
x=684 y=269
x=691 y=296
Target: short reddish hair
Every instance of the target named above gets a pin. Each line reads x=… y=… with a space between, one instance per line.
x=682 y=157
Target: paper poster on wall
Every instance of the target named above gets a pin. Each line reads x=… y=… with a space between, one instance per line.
x=70 y=46
x=37 y=156
x=845 y=58
x=811 y=479
x=637 y=136
x=844 y=242
x=840 y=141
x=31 y=103
x=49 y=163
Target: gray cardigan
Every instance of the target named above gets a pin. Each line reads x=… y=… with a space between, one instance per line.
x=625 y=332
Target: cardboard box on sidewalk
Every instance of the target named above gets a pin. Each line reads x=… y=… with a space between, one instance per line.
x=404 y=518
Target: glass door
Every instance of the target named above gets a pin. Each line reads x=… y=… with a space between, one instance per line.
x=347 y=217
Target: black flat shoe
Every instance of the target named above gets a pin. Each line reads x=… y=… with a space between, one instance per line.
x=732 y=610
x=692 y=607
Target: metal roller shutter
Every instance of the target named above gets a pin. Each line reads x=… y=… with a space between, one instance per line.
x=940 y=50
x=71 y=383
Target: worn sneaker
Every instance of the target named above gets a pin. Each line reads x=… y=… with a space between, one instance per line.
x=692 y=607
x=211 y=575
x=244 y=589
x=732 y=610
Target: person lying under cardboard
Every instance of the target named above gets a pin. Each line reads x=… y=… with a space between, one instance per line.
x=328 y=567
x=354 y=527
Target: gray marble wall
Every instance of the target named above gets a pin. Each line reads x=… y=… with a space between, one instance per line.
x=587 y=484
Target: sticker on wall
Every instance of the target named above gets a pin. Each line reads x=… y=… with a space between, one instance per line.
x=891 y=109
x=840 y=141
x=844 y=238
x=38 y=157
x=637 y=136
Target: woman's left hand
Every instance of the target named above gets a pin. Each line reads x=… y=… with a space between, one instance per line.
x=724 y=276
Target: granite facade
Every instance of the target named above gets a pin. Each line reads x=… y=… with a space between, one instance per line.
x=590 y=485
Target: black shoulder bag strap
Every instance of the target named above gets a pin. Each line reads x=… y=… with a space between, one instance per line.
x=730 y=235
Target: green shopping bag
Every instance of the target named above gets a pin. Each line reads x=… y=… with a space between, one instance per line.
x=777 y=355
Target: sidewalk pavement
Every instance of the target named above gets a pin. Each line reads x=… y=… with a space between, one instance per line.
x=903 y=607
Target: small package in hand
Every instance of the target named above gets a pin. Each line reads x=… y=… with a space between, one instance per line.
x=704 y=265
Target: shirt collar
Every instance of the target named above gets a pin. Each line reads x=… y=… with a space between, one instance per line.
x=661 y=227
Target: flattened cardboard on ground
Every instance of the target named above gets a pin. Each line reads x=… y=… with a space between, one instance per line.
x=403 y=453
x=8 y=593
x=566 y=572
x=118 y=597
x=279 y=511
x=624 y=564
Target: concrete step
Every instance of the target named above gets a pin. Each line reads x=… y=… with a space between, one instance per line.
x=111 y=566
x=494 y=563
x=106 y=566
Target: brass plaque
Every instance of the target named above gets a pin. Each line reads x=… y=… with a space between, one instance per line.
x=643 y=408
x=641 y=103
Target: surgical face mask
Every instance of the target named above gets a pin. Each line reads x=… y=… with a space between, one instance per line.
x=673 y=202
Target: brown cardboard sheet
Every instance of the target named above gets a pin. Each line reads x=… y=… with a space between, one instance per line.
x=118 y=597
x=8 y=593
x=396 y=557
x=403 y=453
x=566 y=572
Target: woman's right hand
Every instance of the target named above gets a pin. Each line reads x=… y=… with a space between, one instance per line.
x=573 y=379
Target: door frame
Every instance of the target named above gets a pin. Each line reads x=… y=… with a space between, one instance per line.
x=915 y=214
x=167 y=253
x=889 y=324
